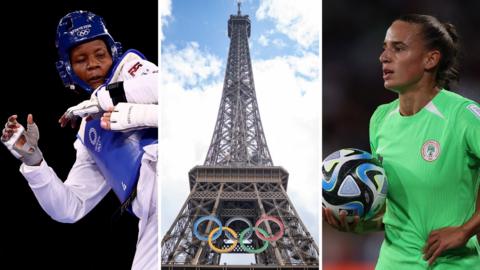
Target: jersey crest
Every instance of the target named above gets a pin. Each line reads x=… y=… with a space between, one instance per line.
x=430 y=150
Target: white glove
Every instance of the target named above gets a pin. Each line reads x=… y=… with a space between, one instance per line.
x=22 y=144
x=83 y=109
x=126 y=116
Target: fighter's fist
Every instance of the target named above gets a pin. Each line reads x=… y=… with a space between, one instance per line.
x=10 y=128
x=83 y=109
x=22 y=144
x=128 y=116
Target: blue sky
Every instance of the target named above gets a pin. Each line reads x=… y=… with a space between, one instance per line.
x=284 y=48
x=205 y=21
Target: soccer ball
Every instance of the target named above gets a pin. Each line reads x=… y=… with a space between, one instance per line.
x=355 y=182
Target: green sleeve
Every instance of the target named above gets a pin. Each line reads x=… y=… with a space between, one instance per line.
x=469 y=117
x=375 y=125
x=372 y=130
x=469 y=121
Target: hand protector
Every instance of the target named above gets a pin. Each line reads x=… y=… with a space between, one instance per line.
x=127 y=116
x=23 y=144
x=83 y=109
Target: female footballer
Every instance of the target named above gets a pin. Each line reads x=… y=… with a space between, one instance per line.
x=428 y=141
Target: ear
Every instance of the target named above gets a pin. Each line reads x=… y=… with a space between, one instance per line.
x=432 y=59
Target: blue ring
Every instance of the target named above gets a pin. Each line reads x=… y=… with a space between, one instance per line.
x=200 y=220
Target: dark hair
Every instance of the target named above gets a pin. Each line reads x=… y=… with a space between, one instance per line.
x=443 y=37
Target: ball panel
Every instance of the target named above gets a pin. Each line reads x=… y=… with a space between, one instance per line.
x=348 y=188
x=353 y=181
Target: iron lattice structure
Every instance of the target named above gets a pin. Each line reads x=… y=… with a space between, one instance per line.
x=238 y=138
x=238 y=180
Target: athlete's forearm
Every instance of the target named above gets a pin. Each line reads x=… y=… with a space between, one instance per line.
x=70 y=200
x=141 y=90
x=478 y=214
x=472 y=226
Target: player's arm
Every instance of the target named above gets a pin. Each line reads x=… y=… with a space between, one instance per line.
x=451 y=237
x=140 y=86
x=471 y=115
x=468 y=124
x=131 y=103
x=478 y=210
x=64 y=202
x=127 y=116
x=71 y=200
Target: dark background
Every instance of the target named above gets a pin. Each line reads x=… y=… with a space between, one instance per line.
x=30 y=84
x=353 y=34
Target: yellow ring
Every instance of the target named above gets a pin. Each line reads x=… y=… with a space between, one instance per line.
x=219 y=250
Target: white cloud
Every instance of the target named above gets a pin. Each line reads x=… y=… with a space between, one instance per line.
x=189 y=98
x=278 y=43
x=165 y=10
x=299 y=20
x=189 y=66
x=307 y=65
x=263 y=40
x=291 y=125
x=289 y=99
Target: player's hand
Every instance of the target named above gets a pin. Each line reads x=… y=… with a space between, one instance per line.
x=83 y=109
x=127 y=116
x=443 y=239
x=105 y=121
x=22 y=144
x=10 y=128
x=341 y=223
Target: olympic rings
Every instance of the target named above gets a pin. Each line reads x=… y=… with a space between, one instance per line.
x=221 y=250
x=230 y=221
x=277 y=235
x=251 y=250
x=244 y=235
x=200 y=220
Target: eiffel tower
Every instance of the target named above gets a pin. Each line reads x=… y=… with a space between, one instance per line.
x=239 y=185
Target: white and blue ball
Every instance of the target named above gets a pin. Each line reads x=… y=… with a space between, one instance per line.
x=353 y=181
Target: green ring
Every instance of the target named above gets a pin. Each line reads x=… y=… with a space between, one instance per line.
x=250 y=250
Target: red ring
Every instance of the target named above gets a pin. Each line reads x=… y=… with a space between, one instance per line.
x=276 y=236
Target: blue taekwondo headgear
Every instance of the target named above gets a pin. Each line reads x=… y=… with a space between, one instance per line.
x=73 y=29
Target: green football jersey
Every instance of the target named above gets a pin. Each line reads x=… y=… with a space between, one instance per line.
x=432 y=162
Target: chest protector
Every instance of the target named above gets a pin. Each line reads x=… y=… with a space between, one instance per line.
x=118 y=155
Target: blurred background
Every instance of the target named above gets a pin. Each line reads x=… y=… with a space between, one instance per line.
x=353 y=34
x=103 y=239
